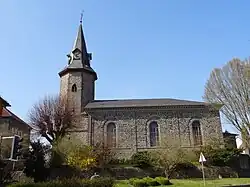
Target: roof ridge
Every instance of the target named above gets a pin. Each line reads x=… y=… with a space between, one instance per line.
x=143 y=103
x=140 y=99
x=16 y=117
x=5 y=103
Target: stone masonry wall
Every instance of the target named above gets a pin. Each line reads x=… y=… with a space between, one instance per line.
x=4 y=126
x=85 y=88
x=132 y=133
x=64 y=87
x=88 y=88
x=10 y=127
x=85 y=92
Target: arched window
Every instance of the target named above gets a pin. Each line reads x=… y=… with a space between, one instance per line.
x=74 y=88
x=111 y=135
x=154 y=134
x=196 y=129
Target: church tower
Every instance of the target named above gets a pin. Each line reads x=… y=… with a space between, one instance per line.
x=78 y=78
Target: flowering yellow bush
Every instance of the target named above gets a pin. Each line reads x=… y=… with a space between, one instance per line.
x=72 y=152
x=81 y=161
x=81 y=157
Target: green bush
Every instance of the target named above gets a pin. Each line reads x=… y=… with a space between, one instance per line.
x=151 y=182
x=220 y=156
x=6 y=171
x=101 y=182
x=148 y=181
x=162 y=180
x=120 y=162
x=57 y=158
x=142 y=159
x=138 y=182
x=131 y=180
x=35 y=163
x=98 y=182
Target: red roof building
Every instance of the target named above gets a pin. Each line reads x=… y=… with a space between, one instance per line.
x=10 y=123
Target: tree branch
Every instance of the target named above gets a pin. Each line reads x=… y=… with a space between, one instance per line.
x=53 y=116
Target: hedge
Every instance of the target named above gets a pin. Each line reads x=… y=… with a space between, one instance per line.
x=98 y=182
x=142 y=159
x=148 y=181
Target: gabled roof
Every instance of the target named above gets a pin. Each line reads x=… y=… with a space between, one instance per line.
x=142 y=103
x=4 y=102
x=8 y=113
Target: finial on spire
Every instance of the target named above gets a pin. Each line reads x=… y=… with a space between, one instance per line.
x=81 y=17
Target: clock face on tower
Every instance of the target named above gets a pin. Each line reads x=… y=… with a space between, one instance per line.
x=77 y=55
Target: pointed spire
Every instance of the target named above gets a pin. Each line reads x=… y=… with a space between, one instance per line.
x=80 y=43
x=79 y=58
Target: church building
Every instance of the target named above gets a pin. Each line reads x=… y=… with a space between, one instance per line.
x=132 y=125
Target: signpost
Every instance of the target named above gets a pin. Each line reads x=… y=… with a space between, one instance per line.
x=201 y=160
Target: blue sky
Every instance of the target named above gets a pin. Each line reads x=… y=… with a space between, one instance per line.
x=141 y=49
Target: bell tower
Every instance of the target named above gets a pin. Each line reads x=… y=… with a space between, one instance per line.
x=78 y=78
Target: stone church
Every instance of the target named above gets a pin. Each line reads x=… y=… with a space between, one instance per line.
x=132 y=125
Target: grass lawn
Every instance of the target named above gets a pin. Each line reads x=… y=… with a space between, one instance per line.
x=198 y=182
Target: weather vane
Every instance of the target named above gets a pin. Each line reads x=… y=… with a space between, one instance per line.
x=81 y=17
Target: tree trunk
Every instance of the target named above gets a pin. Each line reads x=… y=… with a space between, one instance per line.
x=166 y=174
x=48 y=138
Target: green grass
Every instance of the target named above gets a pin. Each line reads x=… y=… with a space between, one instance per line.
x=198 y=182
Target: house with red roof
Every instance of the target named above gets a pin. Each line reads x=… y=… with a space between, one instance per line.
x=11 y=124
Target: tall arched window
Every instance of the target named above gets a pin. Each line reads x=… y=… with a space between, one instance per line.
x=74 y=88
x=111 y=135
x=196 y=129
x=154 y=134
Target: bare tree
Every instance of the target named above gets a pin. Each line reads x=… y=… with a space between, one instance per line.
x=229 y=87
x=53 y=117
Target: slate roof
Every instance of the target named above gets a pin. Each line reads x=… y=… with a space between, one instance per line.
x=141 y=103
x=80 y=41
x=83 y=63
